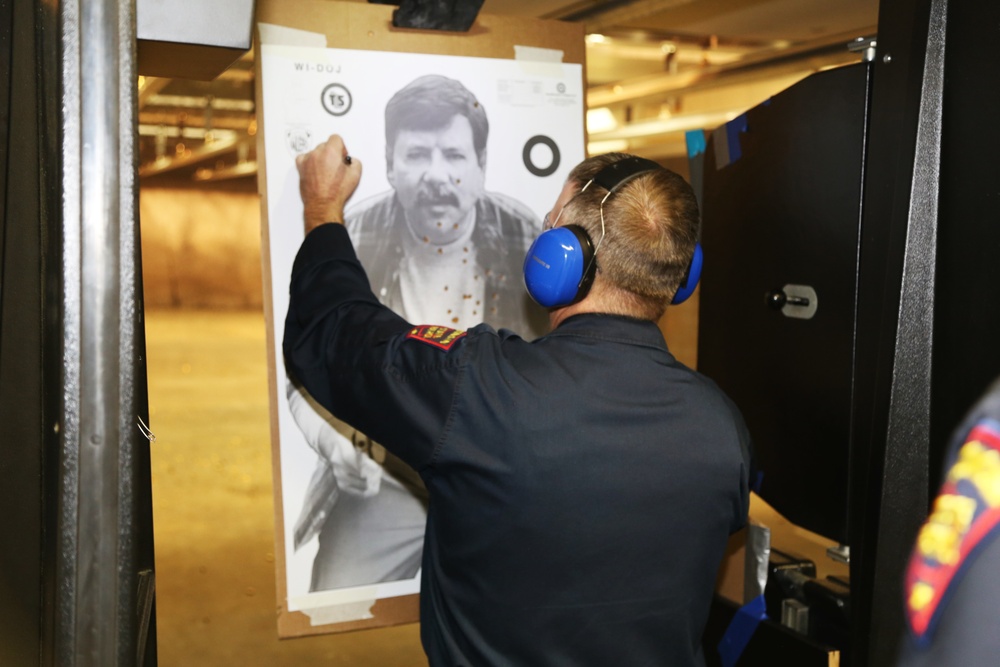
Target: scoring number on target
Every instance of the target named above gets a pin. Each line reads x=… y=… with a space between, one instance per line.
x=336 y=99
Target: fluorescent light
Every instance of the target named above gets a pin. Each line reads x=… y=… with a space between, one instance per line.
x=600 y=120
x=612 y=146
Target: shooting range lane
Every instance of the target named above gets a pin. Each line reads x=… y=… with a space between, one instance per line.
x=212 y=504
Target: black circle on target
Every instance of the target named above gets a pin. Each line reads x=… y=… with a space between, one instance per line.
x=531 y=166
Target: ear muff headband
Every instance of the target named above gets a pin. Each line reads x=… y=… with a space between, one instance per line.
x=559 y=268
x=617 y=174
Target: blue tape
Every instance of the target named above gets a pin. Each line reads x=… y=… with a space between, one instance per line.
x=695 y=142
x=740 y=630
x=726 y=139
x=696 y=146
x=734 y=128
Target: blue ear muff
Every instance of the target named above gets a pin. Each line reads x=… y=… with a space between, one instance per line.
x=559 y=267
x=691 y=279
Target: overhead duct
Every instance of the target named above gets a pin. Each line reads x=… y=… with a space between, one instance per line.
x=827 y=52
x=192 y=39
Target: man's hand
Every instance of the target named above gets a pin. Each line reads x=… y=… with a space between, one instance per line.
x=356 y=473
x=327 y=179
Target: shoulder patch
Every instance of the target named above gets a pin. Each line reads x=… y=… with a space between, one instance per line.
x=440 y=337
x=966 y=514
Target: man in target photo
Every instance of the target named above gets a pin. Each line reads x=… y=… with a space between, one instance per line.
x=439 y=249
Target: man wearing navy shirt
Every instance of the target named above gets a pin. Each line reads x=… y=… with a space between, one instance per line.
x=582 y=485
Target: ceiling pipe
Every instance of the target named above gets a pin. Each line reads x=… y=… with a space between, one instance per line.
x=149 y=87
x=188 y=158
x=226 y=173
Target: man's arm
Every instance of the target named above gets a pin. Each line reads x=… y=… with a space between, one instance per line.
x=356 y=357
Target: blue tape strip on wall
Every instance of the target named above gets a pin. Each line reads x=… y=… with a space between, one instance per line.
x=696 y=147
x=695 y=140
x=734 y=128
x=726 y=140
x=740 y=630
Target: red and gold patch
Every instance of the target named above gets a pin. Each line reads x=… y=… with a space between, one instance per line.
x=441 y=337
x=966 y=511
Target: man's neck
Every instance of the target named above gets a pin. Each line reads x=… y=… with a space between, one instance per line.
x=600 y=301
x=558 y=315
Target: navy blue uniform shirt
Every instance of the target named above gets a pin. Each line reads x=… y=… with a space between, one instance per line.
x=582 y=486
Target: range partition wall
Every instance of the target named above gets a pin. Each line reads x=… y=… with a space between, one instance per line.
x=76 y=489
x=77 y=584
x=853 y=313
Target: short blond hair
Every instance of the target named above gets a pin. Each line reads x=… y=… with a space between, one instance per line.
x=651 y=228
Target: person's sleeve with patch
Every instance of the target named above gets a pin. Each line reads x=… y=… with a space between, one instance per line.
x=965 y=512
x=371 y=368
x=953 y=578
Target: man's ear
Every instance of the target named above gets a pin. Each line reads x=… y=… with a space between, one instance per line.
x=389 y=173
x=482 y=160
x=390 y=150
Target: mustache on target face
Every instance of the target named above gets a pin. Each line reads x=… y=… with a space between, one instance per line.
x=429 y=197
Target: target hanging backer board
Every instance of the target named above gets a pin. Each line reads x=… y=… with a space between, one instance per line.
x=330 y=68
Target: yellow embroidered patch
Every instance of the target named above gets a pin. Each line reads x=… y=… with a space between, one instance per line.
x=440 y=337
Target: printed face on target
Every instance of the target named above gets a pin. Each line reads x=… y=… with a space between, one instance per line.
x=438 y=177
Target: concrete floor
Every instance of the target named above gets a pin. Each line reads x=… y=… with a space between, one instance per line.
x=212 y=504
